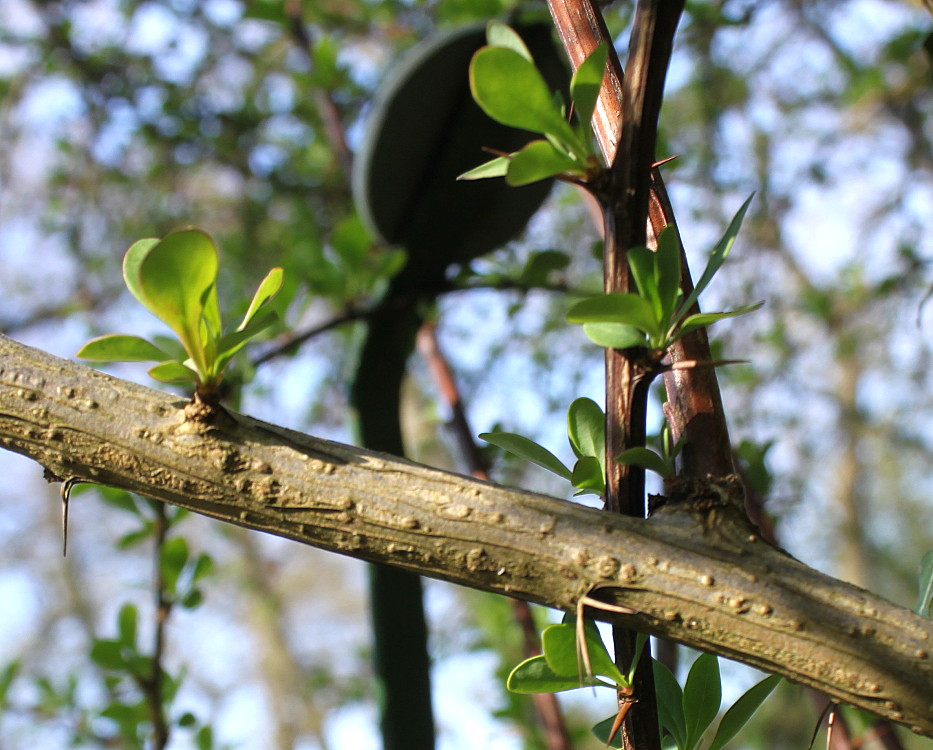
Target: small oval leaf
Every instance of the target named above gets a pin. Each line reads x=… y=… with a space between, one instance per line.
x=117 y=347
x=614 y=335
x=529 y=450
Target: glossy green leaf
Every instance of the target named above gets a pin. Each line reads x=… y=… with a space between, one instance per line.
x=559 y=643
x=628 y=309
x=700 y=320
x=499 y=34
x=670 y=699
x=173 y=372
x=717 y=257
x=117 y=347
x=510 y=90
x=668 y=271
x=131 y=263
x=175 y=279
x=586 y=82
x=586 y=428
x=643 y=263
x=539 y=160
x=924 y=605
x=127 y=620
x=497 y=167
x=529 y=450
x=588 y=476
x=535 y=676
x=742 y=710
x=601 y=732
x=232 y=342
x=614 y=335
x=702 y=697
x=646 y=459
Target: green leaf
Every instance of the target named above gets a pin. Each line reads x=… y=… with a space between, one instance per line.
x=499 y=34
x=670 y=703
x=173 y=372
x=205 y=738
x=717 y=257
x=108 y=654
x=529 y=450
x=741 y=711
x=539 y=160
x=232 y=342
x=586 y=82
x=588 y=476
x=641 y=639
x=172 y=560
x=601 y=732
x=126 y=625
x=541 y=265
x=535 y=676
x=175 y=279
x=614 y=335
x=667 y=259
x=497 y=167
x=510 y=90
x=700 y=320
x=131 y=263
x=646 y=459
x=628 y=309
x=586 y=428
x=925 y=599
x=702 y=697
x=118 y=347
x=559 y=643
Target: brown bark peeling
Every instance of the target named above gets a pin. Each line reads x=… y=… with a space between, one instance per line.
x=695 y=572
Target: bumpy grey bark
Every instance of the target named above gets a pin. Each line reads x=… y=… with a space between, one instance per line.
x=695 y=572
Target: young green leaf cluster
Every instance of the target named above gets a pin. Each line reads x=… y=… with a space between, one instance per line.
x=175 y=279
x=511 y=90
x=561 y=665
x=658 y=315
x=686 y=714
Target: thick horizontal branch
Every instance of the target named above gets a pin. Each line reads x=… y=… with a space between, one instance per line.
x=694 y=572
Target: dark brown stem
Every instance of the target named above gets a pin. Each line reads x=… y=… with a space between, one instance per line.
x=152 y=684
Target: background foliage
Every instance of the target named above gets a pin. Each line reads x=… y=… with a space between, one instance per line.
x=123 y=120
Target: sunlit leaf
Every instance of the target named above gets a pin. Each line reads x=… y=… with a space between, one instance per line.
x=588 y=476
x=646 y=459
x=742 y=710
x=670 y=703
x=586 y=82
x=586 y=428
x=173 y=372
x=116 y=347
x=268 y=288
x=668 y=264
x=499 y=34
x=232 y=342
x=175 y=278
x=529 y=450
x=559 y=643
x=628 y=309
x=700 y=320
x=702 y=697
x=131 y=263
x=614 y=335
x=497 y=167
x=510 y=90
x=537 y=161
x=717 y=257
x=535 y=676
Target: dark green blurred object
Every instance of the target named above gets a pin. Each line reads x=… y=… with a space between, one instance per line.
x=424 y=131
